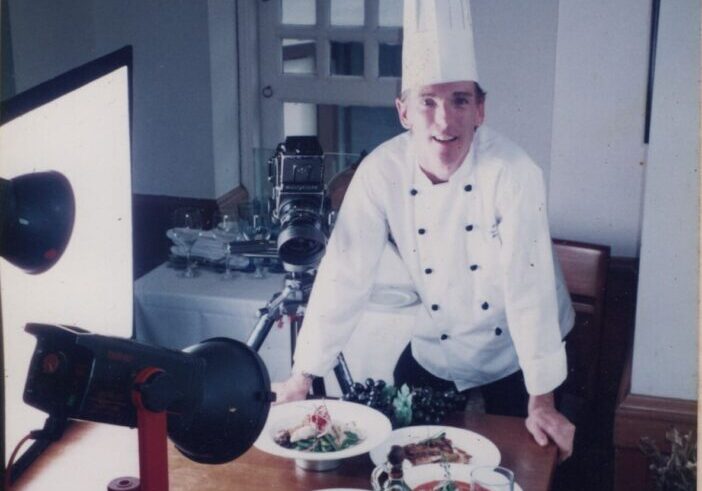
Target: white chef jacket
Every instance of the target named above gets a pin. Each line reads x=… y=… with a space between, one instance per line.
x=478 y=250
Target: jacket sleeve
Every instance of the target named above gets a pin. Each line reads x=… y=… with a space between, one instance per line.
x=529 y=278
x=345 y=276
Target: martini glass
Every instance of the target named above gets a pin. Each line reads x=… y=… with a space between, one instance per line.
x=225 y=230
x=256 y=227
x=258 y=230
x=187 y=227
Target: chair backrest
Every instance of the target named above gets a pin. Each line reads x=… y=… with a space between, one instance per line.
x=585 y=271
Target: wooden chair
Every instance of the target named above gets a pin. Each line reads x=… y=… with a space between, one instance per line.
x=585 y=270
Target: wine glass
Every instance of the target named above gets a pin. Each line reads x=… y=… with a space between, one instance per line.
x=225 y=229
x=492 y=478
x=187 y=227
x=256 y=220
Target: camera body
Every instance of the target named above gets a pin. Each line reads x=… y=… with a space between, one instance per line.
x=300 y=206
x=297 y=168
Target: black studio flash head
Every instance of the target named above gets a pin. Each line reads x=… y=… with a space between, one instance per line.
x=216 y=394
x=36 y=219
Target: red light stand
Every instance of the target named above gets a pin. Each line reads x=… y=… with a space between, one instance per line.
x=153 y=448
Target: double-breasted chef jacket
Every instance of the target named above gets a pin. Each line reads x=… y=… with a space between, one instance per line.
x=478 y=250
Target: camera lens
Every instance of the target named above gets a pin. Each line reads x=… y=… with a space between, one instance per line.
x=301 y=241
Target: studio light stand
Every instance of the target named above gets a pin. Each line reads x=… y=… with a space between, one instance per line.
x=211 y=399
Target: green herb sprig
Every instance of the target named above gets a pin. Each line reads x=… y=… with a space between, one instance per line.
x=677 y=470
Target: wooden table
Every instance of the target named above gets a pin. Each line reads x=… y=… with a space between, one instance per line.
x=90 y=455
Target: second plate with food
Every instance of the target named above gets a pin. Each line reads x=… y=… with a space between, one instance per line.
x=478 y=449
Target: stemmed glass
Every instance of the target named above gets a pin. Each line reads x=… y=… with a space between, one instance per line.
x=256 y=227
x=187 y=223
x=225 y=229
x=492 y=478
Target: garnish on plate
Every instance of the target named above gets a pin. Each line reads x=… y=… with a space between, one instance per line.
x=318 y=433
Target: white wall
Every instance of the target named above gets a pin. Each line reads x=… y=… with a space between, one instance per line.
x=225 y=87
x=184 y=112
x=665 y=347
x=598 y=124
x=515 y=44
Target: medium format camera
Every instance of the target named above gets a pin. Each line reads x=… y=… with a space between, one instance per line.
x=296 y=172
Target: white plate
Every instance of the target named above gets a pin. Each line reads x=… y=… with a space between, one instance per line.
x=481 y=450
x=393 y=297
x=414 y=476
x=373 y=426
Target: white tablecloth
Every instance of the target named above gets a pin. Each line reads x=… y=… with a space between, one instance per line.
x=177 y=312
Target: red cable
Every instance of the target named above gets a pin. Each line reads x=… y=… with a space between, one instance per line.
x=8 y=471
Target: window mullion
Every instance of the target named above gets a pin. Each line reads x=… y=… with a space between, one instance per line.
x=370 y=61
x=323 y=14
x=390 y=35
x=300 y=32
x=371 y=55
x=371 y=15
x=323 y=49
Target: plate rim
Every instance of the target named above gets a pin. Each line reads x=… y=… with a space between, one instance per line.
x=469 y=468
x=411 y=295
x=266 y=444
x=373 y=454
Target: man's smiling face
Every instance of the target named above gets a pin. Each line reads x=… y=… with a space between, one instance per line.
x=442 y=119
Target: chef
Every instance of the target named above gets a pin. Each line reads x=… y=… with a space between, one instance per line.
x=466 y=210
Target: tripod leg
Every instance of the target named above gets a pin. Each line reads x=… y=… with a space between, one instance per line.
x=343 y=375
x=318 y=387
x=261 y=330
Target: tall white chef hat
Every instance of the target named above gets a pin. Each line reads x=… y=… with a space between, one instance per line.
x=438 y=43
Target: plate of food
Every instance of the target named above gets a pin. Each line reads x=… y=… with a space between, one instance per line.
x=440 y=477
x=433 y=444
x=318 y=434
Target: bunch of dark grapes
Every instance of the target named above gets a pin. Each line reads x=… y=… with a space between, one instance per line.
x=431 y=406
x=373 y=394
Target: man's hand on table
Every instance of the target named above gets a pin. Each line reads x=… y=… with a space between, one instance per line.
x=293 y=389
x=545 y=422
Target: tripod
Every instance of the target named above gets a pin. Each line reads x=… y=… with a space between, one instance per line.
x=291 y=302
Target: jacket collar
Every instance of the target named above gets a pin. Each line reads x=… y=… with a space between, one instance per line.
x=460 y=178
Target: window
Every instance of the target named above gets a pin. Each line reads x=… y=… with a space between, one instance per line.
x=328 y=68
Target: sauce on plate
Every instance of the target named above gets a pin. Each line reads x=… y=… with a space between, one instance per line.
x=432 y=485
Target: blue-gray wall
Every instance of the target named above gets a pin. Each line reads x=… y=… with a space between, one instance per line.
x=184 y=123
